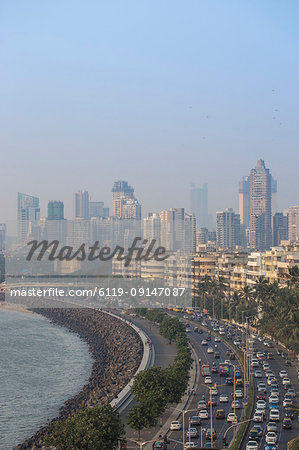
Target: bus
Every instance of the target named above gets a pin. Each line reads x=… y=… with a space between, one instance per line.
x=223 y=370
x=205 y=370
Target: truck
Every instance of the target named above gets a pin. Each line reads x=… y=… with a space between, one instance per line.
x=205 y=370
x=223 y=370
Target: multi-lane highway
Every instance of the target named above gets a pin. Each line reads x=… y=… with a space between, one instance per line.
x=275 y=364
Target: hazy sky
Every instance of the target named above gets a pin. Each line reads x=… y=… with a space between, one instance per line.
x=159 y=93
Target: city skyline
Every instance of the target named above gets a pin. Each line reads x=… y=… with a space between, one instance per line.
x=199 y=106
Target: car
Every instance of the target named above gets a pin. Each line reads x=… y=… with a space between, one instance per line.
x=253 y=435
x=261 y=387
x=204 y=342
x=239 y=383
x=261 y=397
x=287 y=402
x=266 y=366
x=175 y=425
x=208 y=380
x=261 y=404
x=252 y=445
x=195 y=420
x=216 y=355
x=271 y=426
x=270 y=356
x=259 y=430
x=274 y=405
x=286 y=381
x=217 y=339
x=210 y=433
x=239 y=393
x=210 y=350
x=214 y=390
x=292 y=392
x=258 y=374
x=274 y=390
x=202 y=404
x=190 y=445
x=229 y=381
x=273 y=398
x=212 y=402
x=223 y=398
x=287 y=423
x=203 y=414
x=215 y=369
x=231 y=417
x=220 y=414
x=208 y=338
x=236 y=404
x=270 y=447
x=274 y=415
x=258 y=416
x=192 y=433
x=254 y=363
x=283 y=374
x=289 y=412
x=271 y=437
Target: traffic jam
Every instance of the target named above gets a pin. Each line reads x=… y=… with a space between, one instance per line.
x=218 y=405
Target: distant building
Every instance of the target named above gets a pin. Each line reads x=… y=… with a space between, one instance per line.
x=293 y=217
x=152 y=228
x=2 y=236
x=244 y=201
x=28 y=214
x=260 y=223
x=81 y=205
x=199 y=205
x=97 y=209
x=121 y=192
x=280 y=228
x=228 y=229
x=55 y=210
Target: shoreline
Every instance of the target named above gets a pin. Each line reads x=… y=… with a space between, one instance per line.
x=116 y=350
x=14 y=307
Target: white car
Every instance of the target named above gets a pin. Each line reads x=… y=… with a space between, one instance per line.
x=287 y=402
x=271 y=437
x=283 y=374
x=274 y=415
x=204 y=342
x=214 y=390
x=190 y=445
x=271 y=426
x=258 y=416
x=223 y=398
x=254 y=363
x=261 y=387
x=252 y=445
x=208 y=380
x=261 y=404
x=175 y=426
x=292 y=392
x=210 y=350
x=239 y=393
x=273 y=398
x=286 y=381
x=203 y=414
x=231 y=417
x=236 y=404
x=192 y=432
x=258 y=374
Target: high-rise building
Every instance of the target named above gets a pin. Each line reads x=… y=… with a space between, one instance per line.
x=55 y=210
x=244 y=201
x=2 y=236
x=280 y=228
x=199 y=205
x=28 y=213
x=131 y=209
x=95 y=209
x=81 y=202
x=260 y=229
x=293 y=216
x=152 y=228
x=121 y=192
x=227 y=229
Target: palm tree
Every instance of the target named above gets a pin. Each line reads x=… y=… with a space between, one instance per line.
x=292 y=277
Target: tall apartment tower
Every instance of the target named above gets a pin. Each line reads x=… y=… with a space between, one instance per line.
x=81 y=205
x=280 y=228
x=2 y=236
x=55 y=210
x=293 y=215
x=199 y=205
x=244 y=201
x=121 y=192
x=28 y=213
x=260 y=221
x=227 y=229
